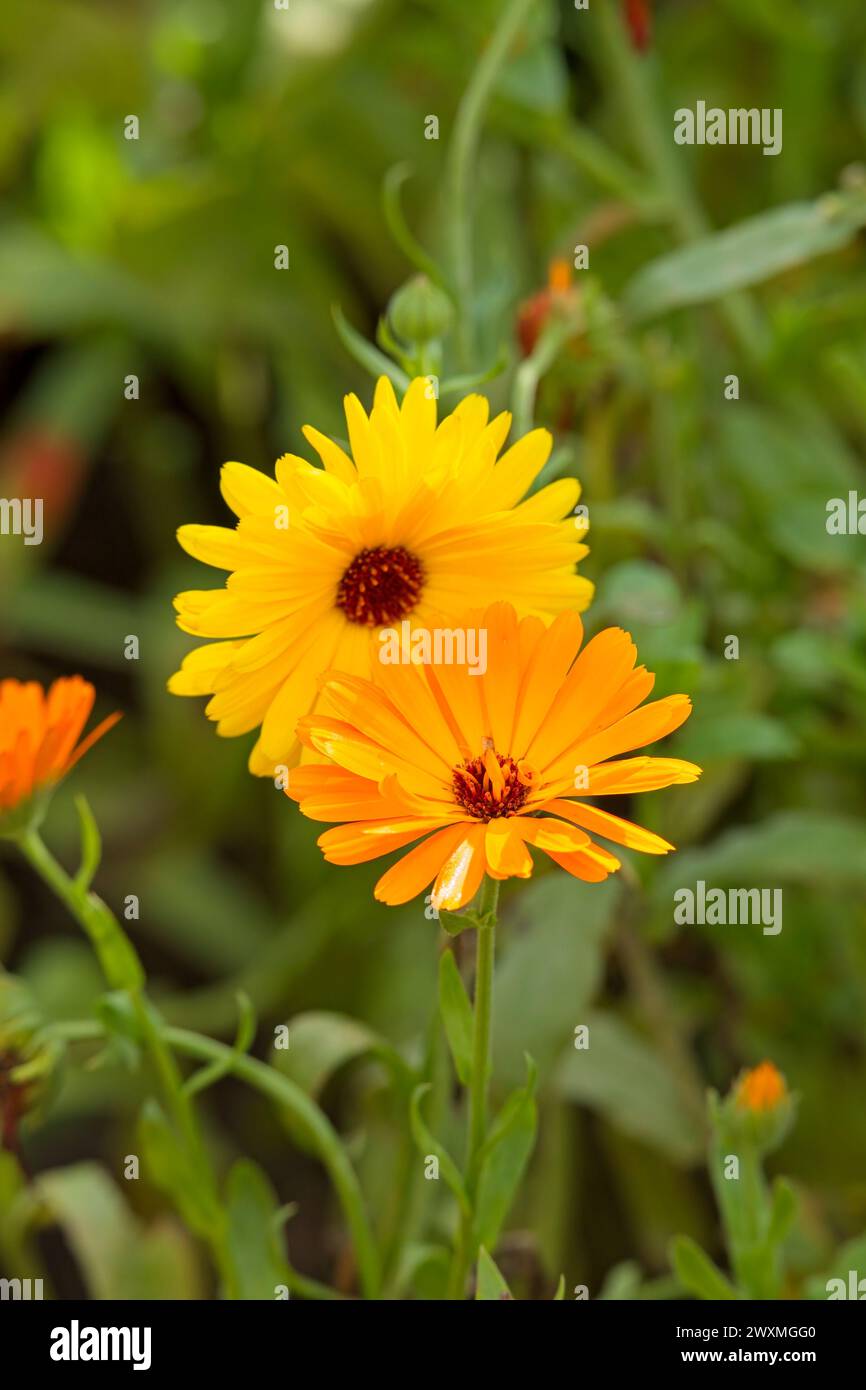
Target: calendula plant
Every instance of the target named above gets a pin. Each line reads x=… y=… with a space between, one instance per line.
x=746 y=1126
x=480 y=769
x=493 y=773
x=39 y=734
x=421 y=523
x=448 y=516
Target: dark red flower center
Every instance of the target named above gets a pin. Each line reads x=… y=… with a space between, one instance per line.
x=380 y=586
x=492 y=785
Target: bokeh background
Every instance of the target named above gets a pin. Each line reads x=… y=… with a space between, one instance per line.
x=155 y=257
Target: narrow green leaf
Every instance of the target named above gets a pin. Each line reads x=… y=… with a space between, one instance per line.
x=369 y=357
x=320 y=1043
x=504 y=1159
x=427 y=1145
x=246 y=1032
x=470 y=381
x=91 y=844
x=118 y=1257
x=489 y=1285
x=783 y=1210
x=258 y=1260
x=117 y=955
x=166 y=1164
x=456 y=1013
x=399 y=227
x=745 y=254
x=696 y=1271
x=456 y=922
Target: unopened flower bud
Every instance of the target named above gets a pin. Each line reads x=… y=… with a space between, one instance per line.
x=759 y=1107
x=419 y=312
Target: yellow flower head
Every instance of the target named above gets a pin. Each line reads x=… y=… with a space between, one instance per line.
x=479 y=767
x=763 y=1088
x=421 y=521
x=39 y=731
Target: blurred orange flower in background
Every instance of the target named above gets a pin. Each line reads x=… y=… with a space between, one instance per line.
x=39 y=732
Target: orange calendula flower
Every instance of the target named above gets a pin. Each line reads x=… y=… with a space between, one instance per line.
x=481 y=768
x=39 y=733
x=417 y=521
x=762 y=1088
x=533 y=313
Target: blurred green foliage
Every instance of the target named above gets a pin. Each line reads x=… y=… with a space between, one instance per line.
x=155 y=257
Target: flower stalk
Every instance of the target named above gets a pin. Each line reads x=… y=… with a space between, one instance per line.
x=479 y=1080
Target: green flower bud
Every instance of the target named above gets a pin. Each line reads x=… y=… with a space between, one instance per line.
x=758 y=1109
x=419 y=312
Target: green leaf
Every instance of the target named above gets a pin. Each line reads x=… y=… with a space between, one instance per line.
x=505 y=1155
x=620 y=1075
x=745 y=254
x=489 y=1285
x=427 y=1145
x=621 y=1283
x=369 y=357
x=118 y=1257
x=246 y=1033
x=798 y=847
x=456 y=922
x=167 y=1165
x=559 y=1296
x=253 y=1233
x=91 y=844
x=399 y=227
x=735 y=734
x=783 y=1210
x=321 y=1043
x=456 y=1013
x=117 y=956
x=470 y=381
x=697 y=1273
x=550 y=972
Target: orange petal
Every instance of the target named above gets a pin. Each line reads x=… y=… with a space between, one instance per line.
x=358 y=843
x=641 y=727
x=417 y=869
x=460 y=877
x=611 y=827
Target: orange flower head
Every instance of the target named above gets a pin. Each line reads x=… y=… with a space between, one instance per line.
x=39 y=733
x=422 y=516
x=533 y=313
x=761 y=1089
x=474 y=767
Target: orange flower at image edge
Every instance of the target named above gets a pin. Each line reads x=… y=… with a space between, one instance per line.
x=39 y=734
x=483 y=767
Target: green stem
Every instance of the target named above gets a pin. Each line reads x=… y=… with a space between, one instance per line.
x=304 y=1111
x=467 y=132
x=123 y=970
x=479 y=1081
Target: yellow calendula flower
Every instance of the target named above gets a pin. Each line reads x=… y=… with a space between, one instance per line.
x=482 y=767
x=419 y=522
